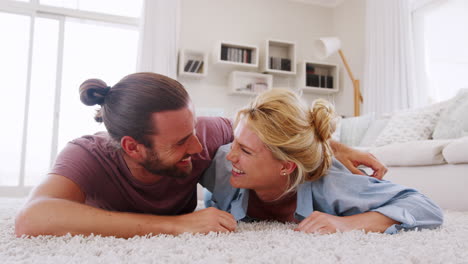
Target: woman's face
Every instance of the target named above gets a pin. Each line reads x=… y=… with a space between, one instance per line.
x=254 y=166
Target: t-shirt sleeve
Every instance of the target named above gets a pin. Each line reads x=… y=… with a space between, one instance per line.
x=213 y=132
x=79 y=165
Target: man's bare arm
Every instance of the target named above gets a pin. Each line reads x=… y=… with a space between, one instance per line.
x=56 y=207
x=352 y=158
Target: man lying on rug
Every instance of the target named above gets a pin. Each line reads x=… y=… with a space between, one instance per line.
x=137 y=178
x=280 y=167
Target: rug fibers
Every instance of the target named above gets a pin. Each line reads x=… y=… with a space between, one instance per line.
x=262 y=242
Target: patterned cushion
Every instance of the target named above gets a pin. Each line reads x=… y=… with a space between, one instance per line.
x=410 y=125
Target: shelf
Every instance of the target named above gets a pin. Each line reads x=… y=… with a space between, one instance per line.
x=249 y=83
x=318 y=77
x=193 y=63
x=279 y=57
x=235 y=54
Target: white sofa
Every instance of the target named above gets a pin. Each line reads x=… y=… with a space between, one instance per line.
x=425 y=148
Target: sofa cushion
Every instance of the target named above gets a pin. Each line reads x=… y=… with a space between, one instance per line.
x=453 y=122
x=456 y=151
x=374 y=131
x=414 y=153
x=410 y=125
x=354 y=128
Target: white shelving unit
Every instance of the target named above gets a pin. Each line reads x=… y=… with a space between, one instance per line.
x=318 y=77
x=249 y=83
x=193 y=63
x=236 y=54
x=279 y=57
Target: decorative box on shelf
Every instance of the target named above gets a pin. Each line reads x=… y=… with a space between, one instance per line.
x=318 y=77
x=249 y=83
x=193 y=63
x=235 y=54
x=279 y=57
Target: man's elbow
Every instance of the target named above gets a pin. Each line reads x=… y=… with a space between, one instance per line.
x=28 y=221
x=24 y=226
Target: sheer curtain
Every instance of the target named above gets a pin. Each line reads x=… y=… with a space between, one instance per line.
x=389 y=79
x=159 y=37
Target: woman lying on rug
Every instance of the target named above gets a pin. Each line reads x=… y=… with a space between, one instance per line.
x=280 y=167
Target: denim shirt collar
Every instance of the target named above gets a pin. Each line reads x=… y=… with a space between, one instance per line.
x=303 y=209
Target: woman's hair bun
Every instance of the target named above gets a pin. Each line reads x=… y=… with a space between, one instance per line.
x=322 y=118
x=93 y=91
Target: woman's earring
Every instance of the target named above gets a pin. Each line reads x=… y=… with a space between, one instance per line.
x=283 y=173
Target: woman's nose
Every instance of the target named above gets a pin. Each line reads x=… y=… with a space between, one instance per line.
x=231 y=156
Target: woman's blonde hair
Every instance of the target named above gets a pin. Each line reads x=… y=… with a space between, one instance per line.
x=293 y=132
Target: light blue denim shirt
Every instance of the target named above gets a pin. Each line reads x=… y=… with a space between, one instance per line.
x=338 y=193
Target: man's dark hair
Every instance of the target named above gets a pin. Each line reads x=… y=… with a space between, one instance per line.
x=126 y=108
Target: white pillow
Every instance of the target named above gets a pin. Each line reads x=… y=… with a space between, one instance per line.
x=457 y=151
x=354 y=128
x=414 y=153
x=453 y=122
x=410 y=125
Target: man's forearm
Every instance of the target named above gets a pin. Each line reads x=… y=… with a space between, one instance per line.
x=49 y=216
x=337 y=146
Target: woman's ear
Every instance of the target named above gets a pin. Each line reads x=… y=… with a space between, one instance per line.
x=132 y=148
x=288 y=167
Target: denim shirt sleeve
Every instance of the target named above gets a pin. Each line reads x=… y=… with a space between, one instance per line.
x=342 y=193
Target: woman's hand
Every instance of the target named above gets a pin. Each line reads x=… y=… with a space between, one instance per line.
x=352 y=158
x=323 y=223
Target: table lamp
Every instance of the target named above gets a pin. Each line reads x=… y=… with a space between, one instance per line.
x=325 y=47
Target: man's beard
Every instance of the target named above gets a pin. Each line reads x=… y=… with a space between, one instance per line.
x=155 y=165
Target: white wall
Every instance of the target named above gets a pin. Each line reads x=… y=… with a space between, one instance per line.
x=349 y=26
x=204 y=22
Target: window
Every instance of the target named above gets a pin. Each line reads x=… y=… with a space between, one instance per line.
x=441 y=51
x=51 y=48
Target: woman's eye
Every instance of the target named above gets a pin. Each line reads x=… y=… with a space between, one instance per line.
x=245 y=151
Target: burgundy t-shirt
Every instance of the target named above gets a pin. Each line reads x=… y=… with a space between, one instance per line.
x=102 y=174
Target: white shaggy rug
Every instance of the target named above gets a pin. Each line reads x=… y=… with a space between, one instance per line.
x=252 y=243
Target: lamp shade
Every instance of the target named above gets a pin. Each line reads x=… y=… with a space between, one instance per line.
x=325 y=47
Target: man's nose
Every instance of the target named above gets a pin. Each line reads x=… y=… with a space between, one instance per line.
x=195 y=145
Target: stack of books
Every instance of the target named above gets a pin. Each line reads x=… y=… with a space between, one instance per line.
x=282 y=64
x=241 y=55
x=195 y=66
x=318 y=77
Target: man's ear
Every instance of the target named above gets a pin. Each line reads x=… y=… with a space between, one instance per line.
x=132 y=148
x=288 y=167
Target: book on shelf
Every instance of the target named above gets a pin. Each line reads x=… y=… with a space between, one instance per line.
x=224 y=53
x=285 y=64
x=200 y=67
x=188 y=65
x=329 y=82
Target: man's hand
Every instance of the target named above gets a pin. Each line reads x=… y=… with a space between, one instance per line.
x=323 y=223
x=204 y=221
x=352 y=158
